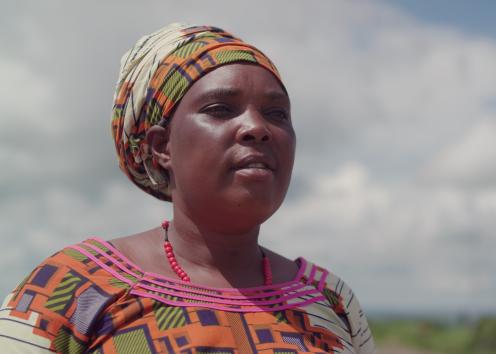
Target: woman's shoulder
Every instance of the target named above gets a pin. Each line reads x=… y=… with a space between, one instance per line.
x=92 y=263
x=57 y=304
x=343 y=302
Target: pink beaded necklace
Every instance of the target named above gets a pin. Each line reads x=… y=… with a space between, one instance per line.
x=169 y=252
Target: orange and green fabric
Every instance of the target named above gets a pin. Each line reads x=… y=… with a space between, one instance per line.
x=154 y=76
x=89 y=298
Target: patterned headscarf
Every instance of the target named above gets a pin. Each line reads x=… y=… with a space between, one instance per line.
x=154 y=76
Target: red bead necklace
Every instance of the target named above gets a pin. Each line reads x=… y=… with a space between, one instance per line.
x=169 y=252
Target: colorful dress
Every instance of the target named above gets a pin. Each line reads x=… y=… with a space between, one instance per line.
x=89 y=298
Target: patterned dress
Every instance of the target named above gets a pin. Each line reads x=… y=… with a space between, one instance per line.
x=89 y=298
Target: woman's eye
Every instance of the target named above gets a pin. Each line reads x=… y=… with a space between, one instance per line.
x=217 y=110
x=278 y=114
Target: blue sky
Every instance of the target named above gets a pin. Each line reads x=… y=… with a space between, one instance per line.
x=472 y=17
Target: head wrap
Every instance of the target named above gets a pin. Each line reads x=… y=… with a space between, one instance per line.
x=154 y=76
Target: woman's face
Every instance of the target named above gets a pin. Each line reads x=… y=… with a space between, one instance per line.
x=231 y=148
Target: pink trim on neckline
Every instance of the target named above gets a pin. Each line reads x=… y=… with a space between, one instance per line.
x=311 y=276
x=301 y=271
x=296 y=286
x=102 y=265
x=235 y=302
x=253 y=308
x=323 y=278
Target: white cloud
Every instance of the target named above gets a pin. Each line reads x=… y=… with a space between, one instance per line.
x=26 y=98
x=470 y=161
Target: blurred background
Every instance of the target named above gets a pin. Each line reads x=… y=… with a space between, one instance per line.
x=394 y=187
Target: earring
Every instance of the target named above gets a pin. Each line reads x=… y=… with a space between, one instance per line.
x=157 y=177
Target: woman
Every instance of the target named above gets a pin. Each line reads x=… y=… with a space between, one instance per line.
x=201 y=119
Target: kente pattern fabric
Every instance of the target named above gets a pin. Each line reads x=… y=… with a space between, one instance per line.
x=88 y=298
x=154 y=76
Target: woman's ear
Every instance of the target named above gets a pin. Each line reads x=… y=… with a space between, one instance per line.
x=157 y=138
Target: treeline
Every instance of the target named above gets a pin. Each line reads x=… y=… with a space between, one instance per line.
x=464 y=336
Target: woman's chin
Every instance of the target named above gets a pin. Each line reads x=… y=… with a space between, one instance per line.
x=240 y=215
x=253 y=209
x=238 y=207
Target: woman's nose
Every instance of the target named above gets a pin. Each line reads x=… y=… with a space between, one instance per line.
x=253 y=128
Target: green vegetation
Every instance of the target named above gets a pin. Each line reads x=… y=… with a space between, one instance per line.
x=459 y=337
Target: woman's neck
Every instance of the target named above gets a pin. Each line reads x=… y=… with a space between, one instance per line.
x=203 y=252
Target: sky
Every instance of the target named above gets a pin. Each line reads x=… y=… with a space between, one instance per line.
x=394 y=107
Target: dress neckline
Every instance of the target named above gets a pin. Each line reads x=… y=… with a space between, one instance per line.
x=159 y=278
x=305 y=289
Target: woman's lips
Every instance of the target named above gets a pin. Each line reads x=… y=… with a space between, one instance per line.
x=254 y=161
x=257 y=165
x=255 y=170
x=254 y=167
x=256 y=173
